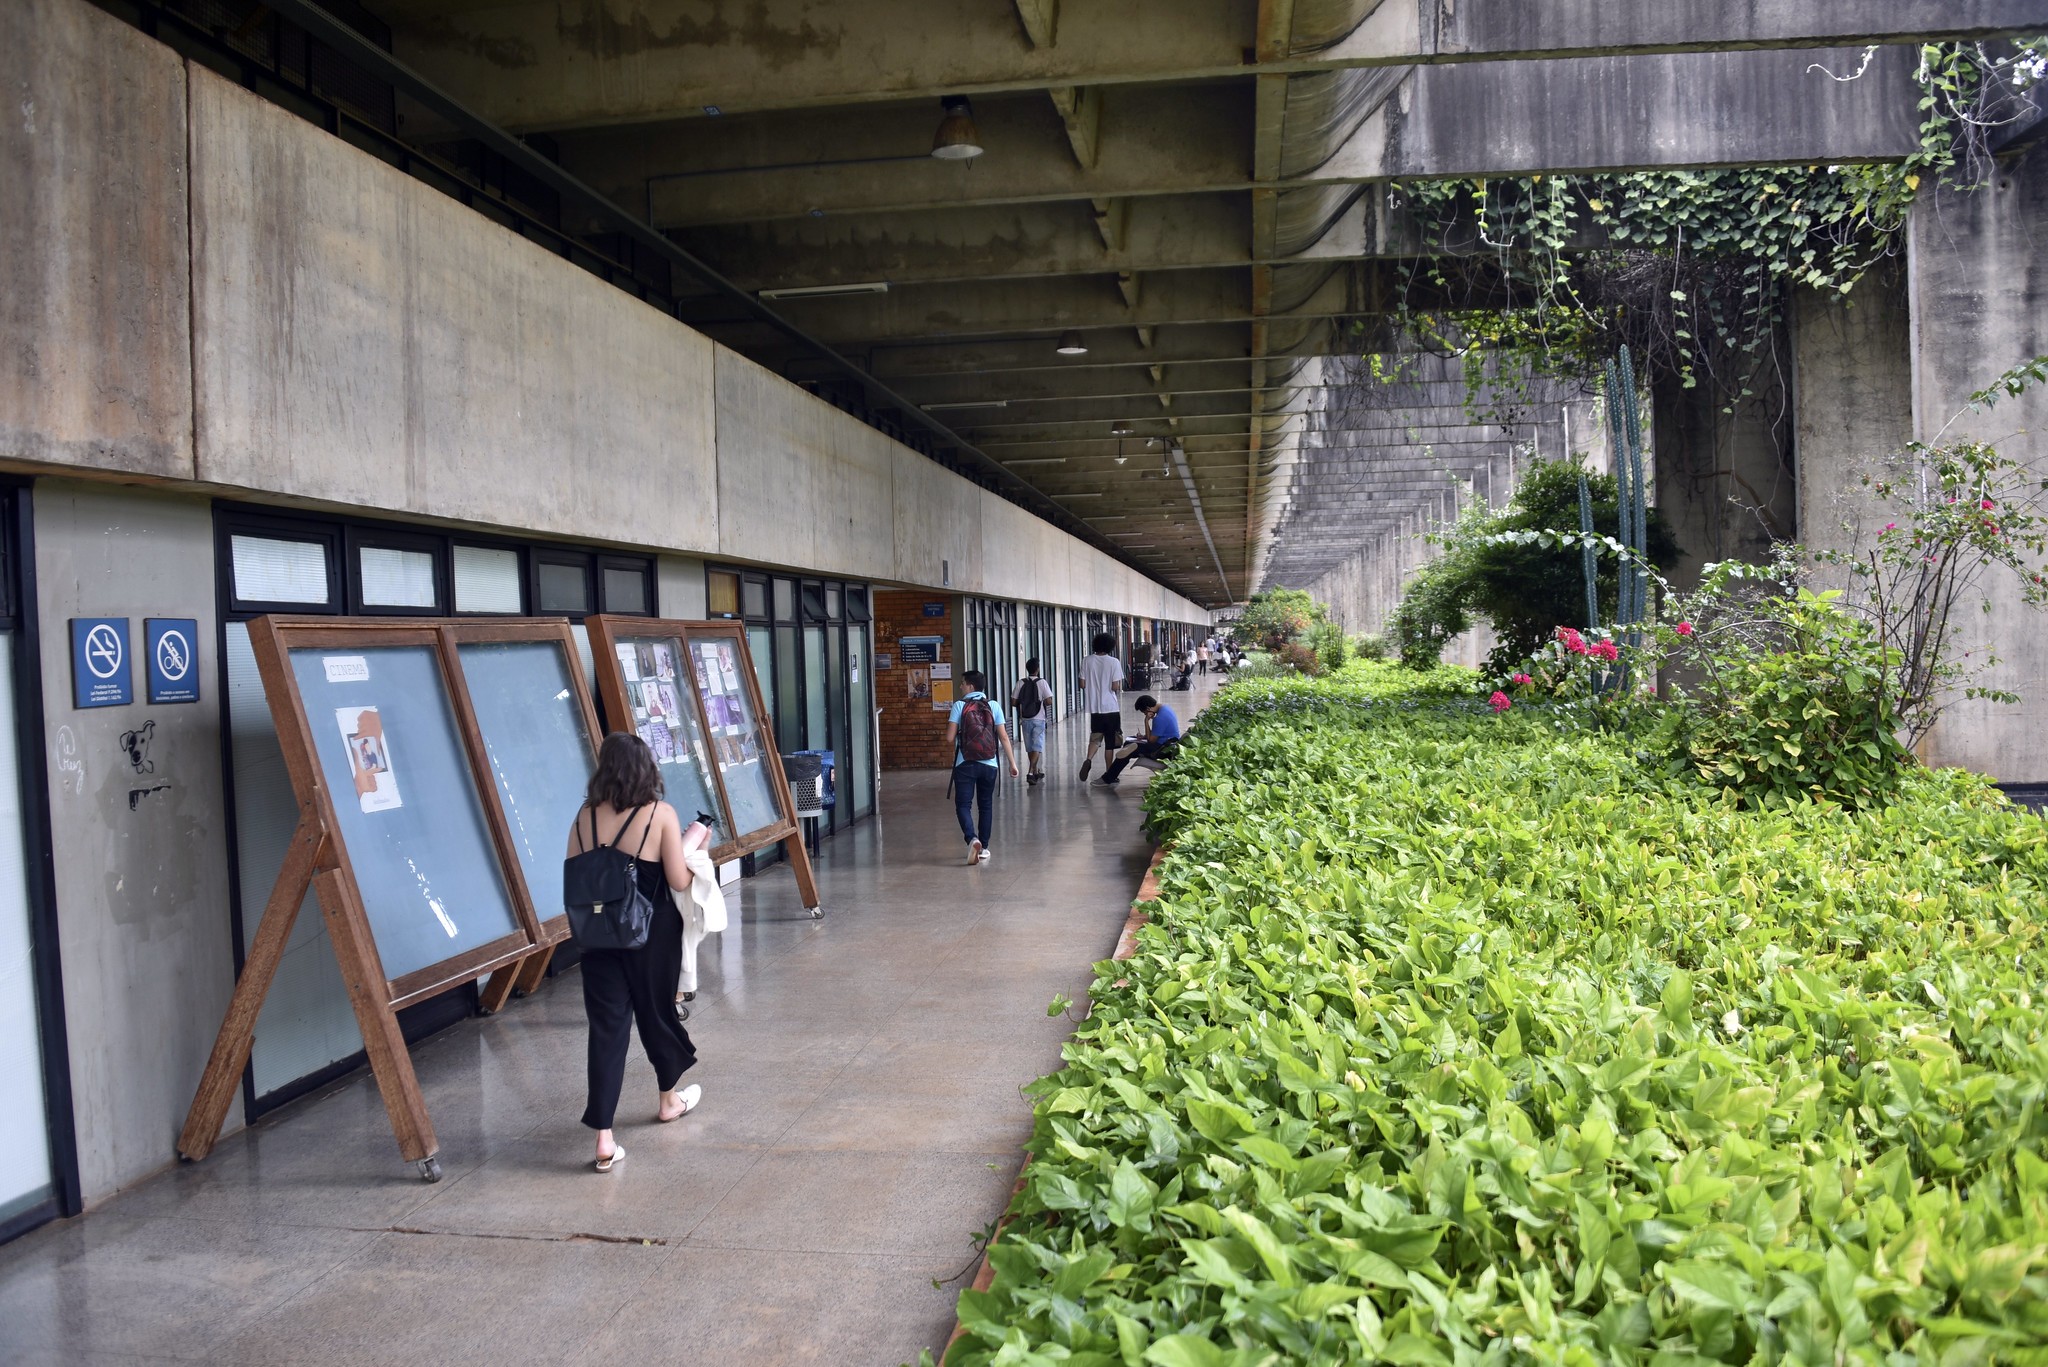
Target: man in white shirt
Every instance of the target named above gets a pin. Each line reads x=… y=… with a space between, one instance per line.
x=1102 y=675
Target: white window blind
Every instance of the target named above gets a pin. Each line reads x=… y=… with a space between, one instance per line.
x=486 y=580
x=269 y=570
x=397 y=579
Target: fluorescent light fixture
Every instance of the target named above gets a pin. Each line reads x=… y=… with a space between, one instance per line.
x=1077 y=495
x=964 y=403
x=826 y=291
x=1039 y=460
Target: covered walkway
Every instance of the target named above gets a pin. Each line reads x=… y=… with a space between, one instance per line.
x=861 y=1125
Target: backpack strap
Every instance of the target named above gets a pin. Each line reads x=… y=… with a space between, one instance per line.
x=619 y=834
x=645 y=831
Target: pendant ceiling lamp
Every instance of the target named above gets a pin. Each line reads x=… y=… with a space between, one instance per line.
x=1070 y=344
x=957 y=139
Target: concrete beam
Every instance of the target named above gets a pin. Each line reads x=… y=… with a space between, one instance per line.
x=1685 y=110
x=979 y=243
x=541 y=64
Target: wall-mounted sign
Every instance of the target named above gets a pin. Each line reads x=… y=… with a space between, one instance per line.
x=935 y=609
x=100 y=675
x=919 y=650
x=172 y=656
x=883 y=660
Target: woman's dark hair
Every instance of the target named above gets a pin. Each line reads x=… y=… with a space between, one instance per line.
x=626 y=776
x=1103 y=644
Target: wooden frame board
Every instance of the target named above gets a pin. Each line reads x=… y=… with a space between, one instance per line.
x=608 y=633
x=319 y=857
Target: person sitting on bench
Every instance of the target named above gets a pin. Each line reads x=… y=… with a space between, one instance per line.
x=1161 y=739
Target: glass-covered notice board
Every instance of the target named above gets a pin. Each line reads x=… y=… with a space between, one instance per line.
x=437 y=767
x=690 y=691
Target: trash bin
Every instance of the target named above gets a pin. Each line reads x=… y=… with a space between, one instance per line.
x=810 y=781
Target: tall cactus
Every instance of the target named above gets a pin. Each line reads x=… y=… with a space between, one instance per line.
x=1589 y=561
x=1617 y=431
x=1637 y=571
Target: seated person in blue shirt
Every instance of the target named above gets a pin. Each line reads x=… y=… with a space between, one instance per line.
x=1161 y=739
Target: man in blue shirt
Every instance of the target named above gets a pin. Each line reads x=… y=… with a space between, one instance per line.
x=975 y=731
x=1162 y=738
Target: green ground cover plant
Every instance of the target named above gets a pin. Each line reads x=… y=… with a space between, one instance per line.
x=1461 y=1036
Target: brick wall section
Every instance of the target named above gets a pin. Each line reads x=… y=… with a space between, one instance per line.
x=913 y=735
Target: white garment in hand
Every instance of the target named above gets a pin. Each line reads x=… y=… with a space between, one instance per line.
x=703 y=909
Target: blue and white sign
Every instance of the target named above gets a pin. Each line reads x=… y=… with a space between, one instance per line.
x=173 y=659
x=100 y=675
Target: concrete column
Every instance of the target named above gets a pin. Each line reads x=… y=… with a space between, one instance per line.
x=1853 y=406
x=1979 y=292
x=1724 y=481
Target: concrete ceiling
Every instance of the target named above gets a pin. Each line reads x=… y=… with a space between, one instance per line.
x=1197 y=187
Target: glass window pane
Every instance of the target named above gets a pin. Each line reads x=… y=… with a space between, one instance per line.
x=269 y=570
x=306 y=1022
x=722 y=594
x=788 y=717
x=785 y=600
x=665 y=717
x=625 y=590
x=734 y=737
x=858 y=762
x=540 y=753
x=396 y=579
x=754 y=594
x=25 y=1174
x=814 y=602
x=832 y=601
x=816 y=737
x=385 y=735
x=564 y=589
x=487 y=580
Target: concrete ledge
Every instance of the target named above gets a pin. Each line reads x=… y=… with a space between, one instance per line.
x=1126 y=945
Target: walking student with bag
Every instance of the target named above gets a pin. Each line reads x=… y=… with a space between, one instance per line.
x=1102 y=675
x=1032 y=702
x=975 y=731
x=626 y=849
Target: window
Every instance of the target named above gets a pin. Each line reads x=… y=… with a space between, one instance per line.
x=394 y=578
x=561 y=584
x=814 y=602
x=721 y=594
x=857 y=605
x=785 y=601
x=754 y=598
x=487 y=579
x=276 y=570
x=626 y=587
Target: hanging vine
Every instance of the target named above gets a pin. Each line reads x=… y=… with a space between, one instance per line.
x=1689 y=269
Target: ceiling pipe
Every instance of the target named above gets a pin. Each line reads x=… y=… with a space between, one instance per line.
x=1187 y=479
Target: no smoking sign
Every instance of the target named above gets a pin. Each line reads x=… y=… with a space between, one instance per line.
x=100 y=674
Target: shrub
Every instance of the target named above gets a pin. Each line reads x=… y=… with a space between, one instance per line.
x=1371 y=646
x=1331 y=647
x=1459 y=1038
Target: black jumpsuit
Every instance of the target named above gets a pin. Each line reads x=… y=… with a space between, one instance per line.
x=624 y=987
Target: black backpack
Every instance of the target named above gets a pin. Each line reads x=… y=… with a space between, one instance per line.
x=608 y=909
x=1029 y=703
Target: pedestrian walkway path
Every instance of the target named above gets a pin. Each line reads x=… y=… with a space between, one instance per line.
x=861 y=1123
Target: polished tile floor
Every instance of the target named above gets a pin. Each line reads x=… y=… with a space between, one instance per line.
x=861 y=1125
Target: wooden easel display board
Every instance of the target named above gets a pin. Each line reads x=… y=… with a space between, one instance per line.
x=689 y=690
x=437 y=767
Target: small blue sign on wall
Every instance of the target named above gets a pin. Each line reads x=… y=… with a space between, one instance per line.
x=172 y=644
x=935 y=609
x=100 y=674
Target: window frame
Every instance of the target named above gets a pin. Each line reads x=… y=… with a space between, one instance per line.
x=357 y=539
x=270 y=527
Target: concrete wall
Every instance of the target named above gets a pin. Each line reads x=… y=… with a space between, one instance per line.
x=1979 y=299
x=94 y=367
x=1852 y=403
x=140 y=849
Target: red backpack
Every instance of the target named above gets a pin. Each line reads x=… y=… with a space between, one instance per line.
x=977 y=730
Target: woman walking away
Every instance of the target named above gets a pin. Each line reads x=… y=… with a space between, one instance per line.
x=1031 y=702
x=627 y=987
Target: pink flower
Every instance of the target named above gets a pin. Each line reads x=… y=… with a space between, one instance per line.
x=1521 y=679
x=1889 y=527
x=1685 y=628
x=1993 y=531
x=1500 y=702
x=1573 y=642
x=1987 y=505
x=1605 y=650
